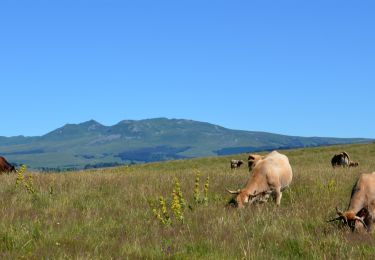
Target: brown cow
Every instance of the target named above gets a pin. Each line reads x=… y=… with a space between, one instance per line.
x=234 y=164
x=361 y=209
x=353 y=164
x=343 y=159
x=5 y=166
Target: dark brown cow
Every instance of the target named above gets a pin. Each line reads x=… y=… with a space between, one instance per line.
x=343 y=159
x=234 y=164
x=353 y=164
x=5 y=166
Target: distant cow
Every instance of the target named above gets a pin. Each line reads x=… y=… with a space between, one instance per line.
x=343 y=159
x=353 y=164
x=234 y=164
x=270 y=175
x=5 y=166
x=361 y=210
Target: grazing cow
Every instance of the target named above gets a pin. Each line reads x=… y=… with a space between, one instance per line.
x=253 y=159
x=270 y=175
x=5 y=166
x=353 y=164
x=234 y=164
x=361 y=209
x=343 y=159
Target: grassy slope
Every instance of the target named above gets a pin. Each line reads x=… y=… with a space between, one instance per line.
x=106 y=214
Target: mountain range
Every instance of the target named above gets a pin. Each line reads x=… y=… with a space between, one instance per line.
x=91 y=144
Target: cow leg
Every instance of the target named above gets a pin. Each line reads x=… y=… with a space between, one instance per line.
x=278 y=196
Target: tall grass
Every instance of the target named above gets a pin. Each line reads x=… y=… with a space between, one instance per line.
x=104 y=214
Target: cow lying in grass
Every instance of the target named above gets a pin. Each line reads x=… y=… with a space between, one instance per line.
x=353 y=164
x=361 y=211
x=270 y=175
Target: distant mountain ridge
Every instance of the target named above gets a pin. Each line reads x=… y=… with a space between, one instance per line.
x=91 y=144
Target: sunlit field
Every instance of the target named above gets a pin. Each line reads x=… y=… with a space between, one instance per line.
x=116 y=212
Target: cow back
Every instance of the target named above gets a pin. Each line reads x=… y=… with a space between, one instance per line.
x=276 y=168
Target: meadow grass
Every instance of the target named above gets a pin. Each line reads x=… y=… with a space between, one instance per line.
x=107 y=213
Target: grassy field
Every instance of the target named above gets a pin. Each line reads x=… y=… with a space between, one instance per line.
x=107 y=214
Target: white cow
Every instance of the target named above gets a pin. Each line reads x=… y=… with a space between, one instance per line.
x=270 y=175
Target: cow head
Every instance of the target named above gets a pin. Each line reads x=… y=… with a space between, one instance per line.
x=244 y=197
x=240 y=200
x=350 y=218
x=253 y=159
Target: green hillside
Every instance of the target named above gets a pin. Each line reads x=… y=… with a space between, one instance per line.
x=91 y=144
x=108 y=213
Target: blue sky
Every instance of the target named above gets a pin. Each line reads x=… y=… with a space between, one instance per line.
x=291 y=67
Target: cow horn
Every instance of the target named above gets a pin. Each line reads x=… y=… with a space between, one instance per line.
x=341 y=216
x=361 y=220
x=339 y=212
x=233 y=192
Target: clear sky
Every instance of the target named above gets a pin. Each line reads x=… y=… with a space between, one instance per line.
x=302 y=68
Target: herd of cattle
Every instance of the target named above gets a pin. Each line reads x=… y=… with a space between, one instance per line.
x=272 y=173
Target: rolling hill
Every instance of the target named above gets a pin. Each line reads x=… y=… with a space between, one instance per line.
x=91 y=144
